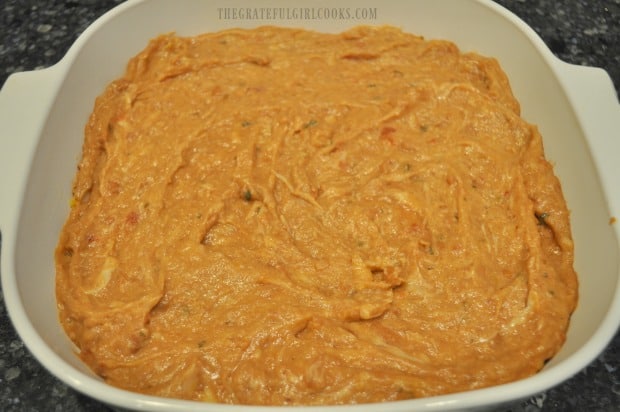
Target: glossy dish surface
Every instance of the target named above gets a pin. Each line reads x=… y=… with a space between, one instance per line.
x=568 y=139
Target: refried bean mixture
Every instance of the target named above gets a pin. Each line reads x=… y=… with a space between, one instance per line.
x=277 y=216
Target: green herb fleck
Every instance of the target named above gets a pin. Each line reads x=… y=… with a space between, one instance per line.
x=247 y=195
x=423 y=128
x=246 y=123
x=310 y=123
x=542 y=218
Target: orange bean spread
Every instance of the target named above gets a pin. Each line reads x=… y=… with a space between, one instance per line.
x=277 y=216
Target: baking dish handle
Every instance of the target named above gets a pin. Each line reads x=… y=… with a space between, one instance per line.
x=25 y=99
x=594 y=98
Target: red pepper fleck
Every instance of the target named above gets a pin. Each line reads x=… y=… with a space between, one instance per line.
x=132 y=218
x=386 y=134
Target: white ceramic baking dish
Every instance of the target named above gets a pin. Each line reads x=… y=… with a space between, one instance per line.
x=42 y=115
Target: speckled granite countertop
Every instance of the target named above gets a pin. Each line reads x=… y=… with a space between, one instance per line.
x=35 y=34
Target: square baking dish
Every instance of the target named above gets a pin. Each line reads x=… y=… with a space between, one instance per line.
x=43 y=113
